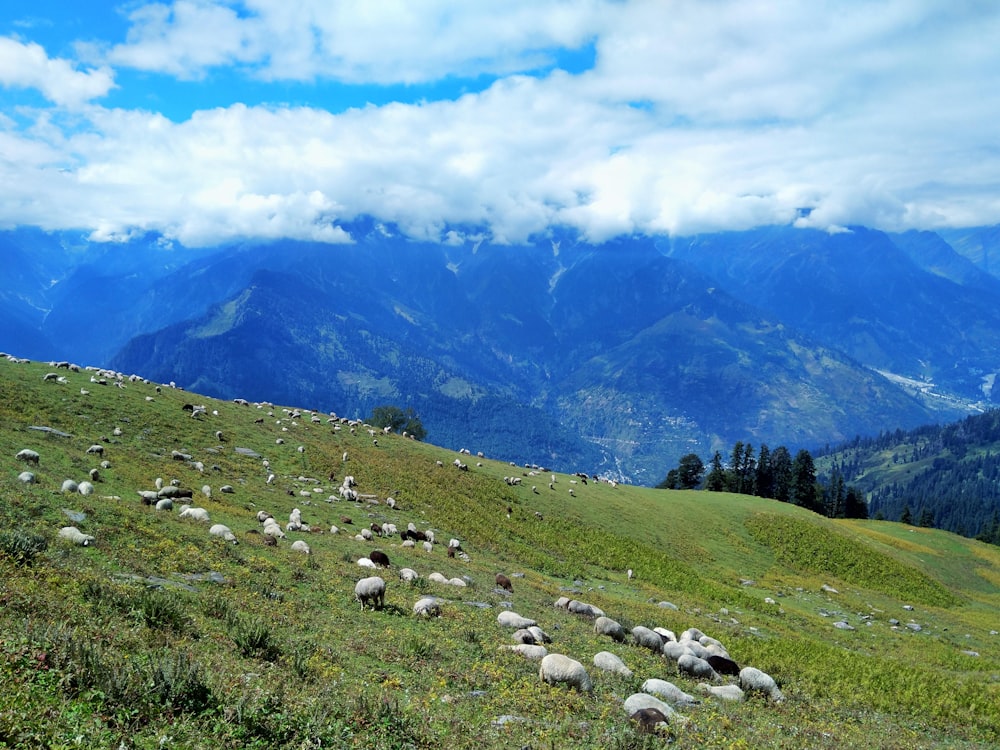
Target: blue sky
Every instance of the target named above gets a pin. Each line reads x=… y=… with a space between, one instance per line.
x=209 y=121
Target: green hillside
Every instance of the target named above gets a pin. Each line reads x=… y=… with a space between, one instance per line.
x=161 y=636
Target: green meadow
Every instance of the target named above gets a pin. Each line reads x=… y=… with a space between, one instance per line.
x=161 y=636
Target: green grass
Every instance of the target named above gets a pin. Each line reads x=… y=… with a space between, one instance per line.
x=162 y=636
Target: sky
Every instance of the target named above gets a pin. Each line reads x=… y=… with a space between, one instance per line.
x=216 y=121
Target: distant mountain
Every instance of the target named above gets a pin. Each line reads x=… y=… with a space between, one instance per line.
x=933 y=321
x=618 y=357
x=946 y=475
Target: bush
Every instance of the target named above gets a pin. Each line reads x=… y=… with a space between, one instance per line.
x=22 y=546
x=253 y=638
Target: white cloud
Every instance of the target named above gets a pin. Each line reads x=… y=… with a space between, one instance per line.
x=697 y=116
x=26 y=65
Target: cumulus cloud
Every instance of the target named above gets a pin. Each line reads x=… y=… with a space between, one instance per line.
x=26 y=65
x=694 y=117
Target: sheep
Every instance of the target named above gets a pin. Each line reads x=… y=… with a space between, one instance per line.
x=538 y=634
x=364 y=562
x=650 y=720
x=366 y=534
x=582 y=608
x=643 y=636
x=754 y=680
x=379 y=558
x=26 y=477
x=271 y=528
x=503 y=582
x=69 y=485
x=524 y=636
x=85 y=488
x=457 y=582
x=557 y=669
x=408 y=574
x=691 y=665
x=94 y=475
x=669 y=692
x=529 y=651
x=437 y=578
x=165 y=504
x=428 y=547
x=96 y=449
x=675 y=650
x=695 y=648
x=196 y=514
x=611 y=628
x=263 y=515
x=608 y=662
x=301 y=546
x=723 y=665
x=73 y=534
x=509 y=619
x=427 y=606
x=722 y=692
x=372 y=590
x=223 y=531
x=639 y=701
x=28 y=456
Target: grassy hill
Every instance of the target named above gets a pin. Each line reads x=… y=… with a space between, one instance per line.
x=162 y=636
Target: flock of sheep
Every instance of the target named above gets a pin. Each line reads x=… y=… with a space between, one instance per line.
x=695 y=654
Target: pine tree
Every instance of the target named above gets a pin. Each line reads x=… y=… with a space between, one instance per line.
x=715 y=481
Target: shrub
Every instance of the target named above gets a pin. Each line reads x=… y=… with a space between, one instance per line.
x=253 y=638
x=22 y=546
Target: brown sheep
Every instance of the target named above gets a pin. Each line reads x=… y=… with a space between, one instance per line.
x=504 y=582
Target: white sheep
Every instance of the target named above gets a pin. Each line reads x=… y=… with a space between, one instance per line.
x=457 y=582
x=96 y=449
x=223 y=531
x=674 y=650
x=371 y=589
x=364 y=562
x=754 y=680
x=691 y=665
x=639 y=701
x=582 y=608
x=643 y=636
x=165 y=504
x=271 y=528
x=69 y=485
x=722 y=692
x=608 y=662
x=559 y=669
x=437 y=578
x=26 y=477
x=408 y=574
x=611 y=628
x=85 y=488
x=28 y=456
x=530 y=651
x=428 y=547
x=668 y=691
x=196 y=514
x=427 y=606
x=300 y=546
x=509 y=619
x=73 y=534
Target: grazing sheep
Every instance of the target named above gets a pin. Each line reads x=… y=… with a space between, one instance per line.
x=502 y=581
x=691 y=665
x=524 y=636
x=611 y=628
x=643 y=636
x=559 y=669
x=96 y=449
x=271 y=528
x=437 y=578
x=28 y=456
x=364 y=562
x=692 y=634
x=457 y=582
x=510 y=619
x=674 y=650
x=149 y=497
x=562 y=602
x=263 y=515
x=754 y=680
x=73 y=534
x=372 y=590
x=650 y=720
x=608 y=662
x=723 y=665
x=666 y=635
x=427 y=606
x=85 y=488
x=26 y=477
x=539 y=635
x=301 y=546
x=695 y=648
x=223 y=531
x=379 y=558
x=408 y=574
x=530 y=651
x=69 y=485
x=722 y=692
x=94 y=475
x=584 y=609
x=639 y=701
x=165 y=504
x=668 y=691
x=366 y=534
x=196 y=514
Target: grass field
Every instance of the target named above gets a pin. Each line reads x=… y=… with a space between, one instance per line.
x=161 y=636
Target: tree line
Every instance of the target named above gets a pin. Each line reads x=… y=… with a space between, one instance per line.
x=773 y=474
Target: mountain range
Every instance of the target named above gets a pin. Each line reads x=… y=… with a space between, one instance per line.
x=612 y=358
